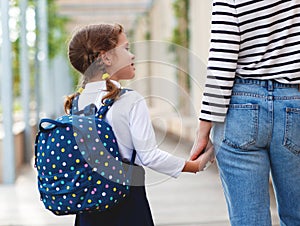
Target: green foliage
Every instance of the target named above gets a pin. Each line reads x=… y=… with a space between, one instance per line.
x=181 y=31
x=57 y=37
x=180 y=39
x=16 y=67
x=57 y=34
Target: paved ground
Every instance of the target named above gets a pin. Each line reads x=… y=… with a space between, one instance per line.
x=190 y=200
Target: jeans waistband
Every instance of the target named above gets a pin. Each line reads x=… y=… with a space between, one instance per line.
x=269 y=84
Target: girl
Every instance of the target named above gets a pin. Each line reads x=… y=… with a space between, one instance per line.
x=101 y=54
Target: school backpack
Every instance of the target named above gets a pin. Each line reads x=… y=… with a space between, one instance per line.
x=78 y=162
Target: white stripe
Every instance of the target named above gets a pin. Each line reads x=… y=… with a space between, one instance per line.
x=251 y=66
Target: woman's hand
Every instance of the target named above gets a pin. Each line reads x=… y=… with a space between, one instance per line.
x=201 y=142
x=200 y=163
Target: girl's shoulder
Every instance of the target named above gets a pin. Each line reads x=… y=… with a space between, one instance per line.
x=131 y=95
x=129 y=100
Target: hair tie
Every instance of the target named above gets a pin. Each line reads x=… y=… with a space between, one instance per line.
x=80 y=90
x=105 y=76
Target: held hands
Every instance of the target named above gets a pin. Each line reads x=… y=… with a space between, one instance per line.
x=201 y=162
x=202 y=139
x=202 y=152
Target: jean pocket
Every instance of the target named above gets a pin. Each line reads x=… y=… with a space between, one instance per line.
x=241 y=126
x=292 y=130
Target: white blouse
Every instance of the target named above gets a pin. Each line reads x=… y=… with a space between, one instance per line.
x=130 y=120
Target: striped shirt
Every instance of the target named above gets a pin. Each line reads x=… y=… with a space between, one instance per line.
x=253 y=39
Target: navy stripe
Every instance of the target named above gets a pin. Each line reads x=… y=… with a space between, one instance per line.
x=274 y=32
x=272 y=74
x=218 y=87
x=255 y=10
x=224 y=50
x=251 y=29
x=222 y=60
x=241 y=5
x=220 y=78
x=222 y=69
x=271 y=50
x=269 y=15
x=257 y=39
x=213 y=113
x=297 y=52
x=274 y=65
x=215 y=105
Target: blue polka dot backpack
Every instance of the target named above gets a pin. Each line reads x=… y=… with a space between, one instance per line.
x=78 y=162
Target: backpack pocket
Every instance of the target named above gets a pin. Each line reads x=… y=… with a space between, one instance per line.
x=79 y=192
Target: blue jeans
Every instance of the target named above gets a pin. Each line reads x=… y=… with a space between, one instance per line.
x=261 y=134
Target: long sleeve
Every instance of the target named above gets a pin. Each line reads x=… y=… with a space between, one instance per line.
x=144 y=142
x=222 y=62
x=131 y=123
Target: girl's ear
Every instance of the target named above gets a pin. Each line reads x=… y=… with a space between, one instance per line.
x=106 y=58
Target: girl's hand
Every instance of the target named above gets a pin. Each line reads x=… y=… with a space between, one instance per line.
x=200 y=163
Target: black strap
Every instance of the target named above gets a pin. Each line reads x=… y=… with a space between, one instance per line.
x=92 y=109
x=74 y=109
x=108 y=103
x=50 y=124
x=88 y=110
x=133 y=157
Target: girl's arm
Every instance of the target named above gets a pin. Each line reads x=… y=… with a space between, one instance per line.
x=144 y=142
x=150 y=155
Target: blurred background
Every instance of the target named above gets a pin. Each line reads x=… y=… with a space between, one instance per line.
x=170 y=39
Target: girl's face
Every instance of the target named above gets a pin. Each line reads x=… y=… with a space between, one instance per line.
x=122 y=60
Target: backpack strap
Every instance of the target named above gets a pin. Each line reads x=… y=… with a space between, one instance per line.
x=108 y=103
x=92 y=109
x=74 y=109
x=133 y=157
x=88 y=110
x=104 y=109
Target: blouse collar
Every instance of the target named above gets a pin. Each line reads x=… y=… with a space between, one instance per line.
x=99 y=86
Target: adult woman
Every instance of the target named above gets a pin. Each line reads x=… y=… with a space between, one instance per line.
x=252 y=101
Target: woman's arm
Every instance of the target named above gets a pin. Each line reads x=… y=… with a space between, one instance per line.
x=222 y=61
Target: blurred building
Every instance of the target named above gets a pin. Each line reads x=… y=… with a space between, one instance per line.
x=96 y=11
x=150 y=26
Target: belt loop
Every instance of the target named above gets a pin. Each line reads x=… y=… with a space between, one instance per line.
x=270 y=85
x=299 y=87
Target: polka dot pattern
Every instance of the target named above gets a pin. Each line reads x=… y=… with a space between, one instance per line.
x=78 y=164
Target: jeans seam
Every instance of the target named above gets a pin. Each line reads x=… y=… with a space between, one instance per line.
x=246 y=94
x=287 y=142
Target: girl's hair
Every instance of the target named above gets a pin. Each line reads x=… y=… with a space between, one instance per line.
x=84 y=55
